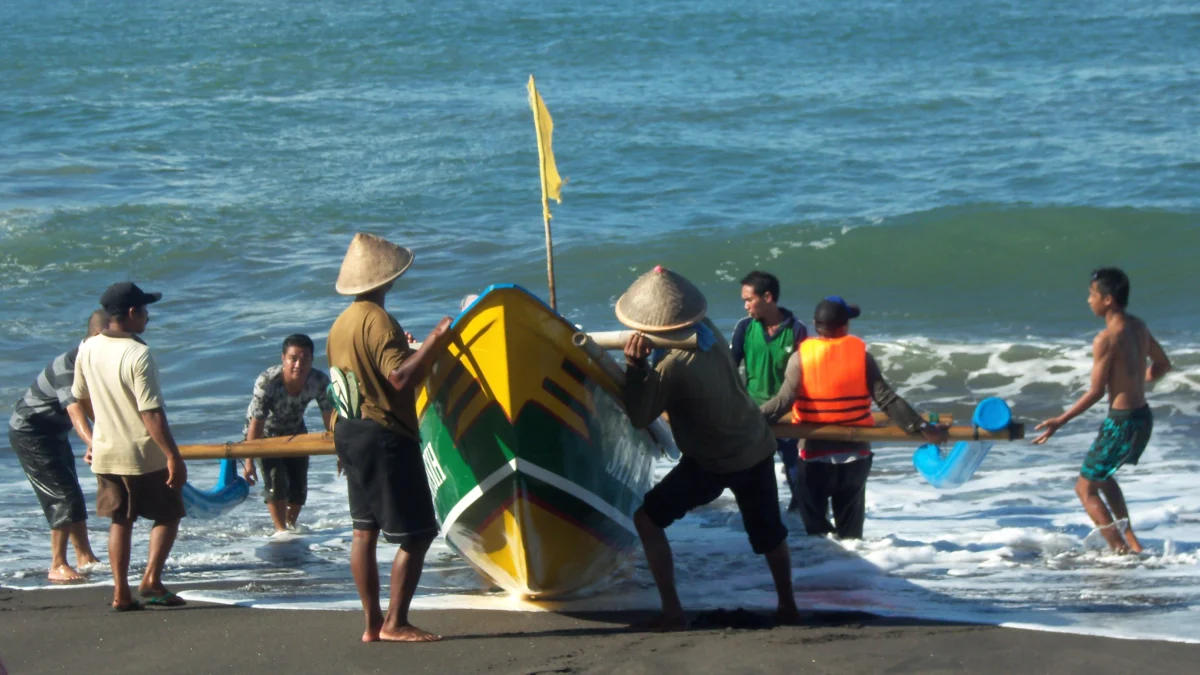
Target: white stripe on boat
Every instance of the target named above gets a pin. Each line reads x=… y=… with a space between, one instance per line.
x=517 y=465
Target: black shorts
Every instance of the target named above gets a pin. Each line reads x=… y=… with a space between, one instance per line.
x=385 y=475
x=688 y=486
x=285 y=479
x=50 y=466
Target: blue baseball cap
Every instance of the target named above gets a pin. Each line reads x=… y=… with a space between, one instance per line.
x=834 y=311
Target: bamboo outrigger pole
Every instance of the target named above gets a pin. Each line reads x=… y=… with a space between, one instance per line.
x=616 y=339
x=301 y=445
x=322 y=443
x=543 y=126
x=830 y=432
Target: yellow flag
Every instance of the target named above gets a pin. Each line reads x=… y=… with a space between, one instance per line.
x=544 y=126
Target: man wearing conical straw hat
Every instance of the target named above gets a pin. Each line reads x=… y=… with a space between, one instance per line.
x=724 y=439
x=379 y=446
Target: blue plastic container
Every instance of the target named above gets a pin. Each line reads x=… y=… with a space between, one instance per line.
x=992 y=414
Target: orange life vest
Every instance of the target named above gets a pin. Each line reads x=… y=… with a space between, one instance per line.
x=833 y=383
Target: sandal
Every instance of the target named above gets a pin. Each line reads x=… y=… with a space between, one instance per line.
x=167 y=599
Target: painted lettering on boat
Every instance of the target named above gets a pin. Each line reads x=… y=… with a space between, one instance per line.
x=620 y=470
x=433 y=470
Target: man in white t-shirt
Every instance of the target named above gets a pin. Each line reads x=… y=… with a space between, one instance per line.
x=139 y=471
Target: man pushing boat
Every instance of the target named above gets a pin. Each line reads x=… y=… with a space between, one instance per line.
x=379 y=445
x=724 y=439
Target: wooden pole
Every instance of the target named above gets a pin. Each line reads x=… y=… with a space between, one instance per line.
x=616 y=339
x=301 y=445
x=322 y=443
x=831 y=432
x=549 y=252
x=537 y=129
x=601 y=358
x=882 y=420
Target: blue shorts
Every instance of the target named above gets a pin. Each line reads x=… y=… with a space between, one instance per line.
x=1122 y=439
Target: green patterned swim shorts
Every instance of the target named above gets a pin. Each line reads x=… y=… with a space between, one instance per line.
x=1123 y=437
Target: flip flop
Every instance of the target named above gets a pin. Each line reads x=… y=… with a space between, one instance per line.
x=168 y=599
x=133 y=606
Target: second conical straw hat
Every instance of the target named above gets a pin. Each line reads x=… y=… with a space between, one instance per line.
x=371 y=262
x=661 y=300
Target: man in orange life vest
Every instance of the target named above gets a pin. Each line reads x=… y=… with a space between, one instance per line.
x=832 y=380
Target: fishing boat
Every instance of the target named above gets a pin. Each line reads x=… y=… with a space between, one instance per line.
x=534 y=467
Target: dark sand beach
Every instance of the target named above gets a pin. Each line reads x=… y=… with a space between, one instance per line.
x=72 y=630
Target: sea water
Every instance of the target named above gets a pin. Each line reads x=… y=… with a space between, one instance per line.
x=956 y=168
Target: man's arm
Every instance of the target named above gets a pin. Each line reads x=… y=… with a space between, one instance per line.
x=781 y=403
x=898 y=410
x=156 y=425
x=1102 y=357
x=148 y=394
x=1159 y=364
x=646 y=389
x=254 y=431
x=256 y=414
x=79 y=419
x=416 y=366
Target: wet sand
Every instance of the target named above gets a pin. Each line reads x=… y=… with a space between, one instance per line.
x=72 y=630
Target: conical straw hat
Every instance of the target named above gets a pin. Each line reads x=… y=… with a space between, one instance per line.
x=371 y=262
x=660 y=301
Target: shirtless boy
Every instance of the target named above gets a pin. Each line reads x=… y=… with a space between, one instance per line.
x=1119 y=366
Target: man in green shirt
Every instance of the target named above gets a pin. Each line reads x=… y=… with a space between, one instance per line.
x=763 y=342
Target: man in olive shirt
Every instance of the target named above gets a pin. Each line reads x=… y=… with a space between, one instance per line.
x=380 y=448
x=835 y=472
x=724 y=440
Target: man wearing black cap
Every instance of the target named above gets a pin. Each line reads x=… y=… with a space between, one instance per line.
x=831 y=379
x=139 y=471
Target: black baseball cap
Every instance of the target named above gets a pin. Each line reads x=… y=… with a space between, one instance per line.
x=833 y=311
x=126 y=295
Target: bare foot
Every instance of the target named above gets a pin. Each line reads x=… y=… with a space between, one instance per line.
x=371 y=635
x=1113 y=537
x=1132 y=540
x=143 y=589
x=64 y=574
x=791 y=615
x=122 y=600
x=407 y=633
x=663 y=623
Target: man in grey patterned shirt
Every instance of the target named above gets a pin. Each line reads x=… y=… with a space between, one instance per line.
x=37 y=433
x=281 y=393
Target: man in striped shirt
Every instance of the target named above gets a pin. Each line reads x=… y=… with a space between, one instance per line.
x=37 y=433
